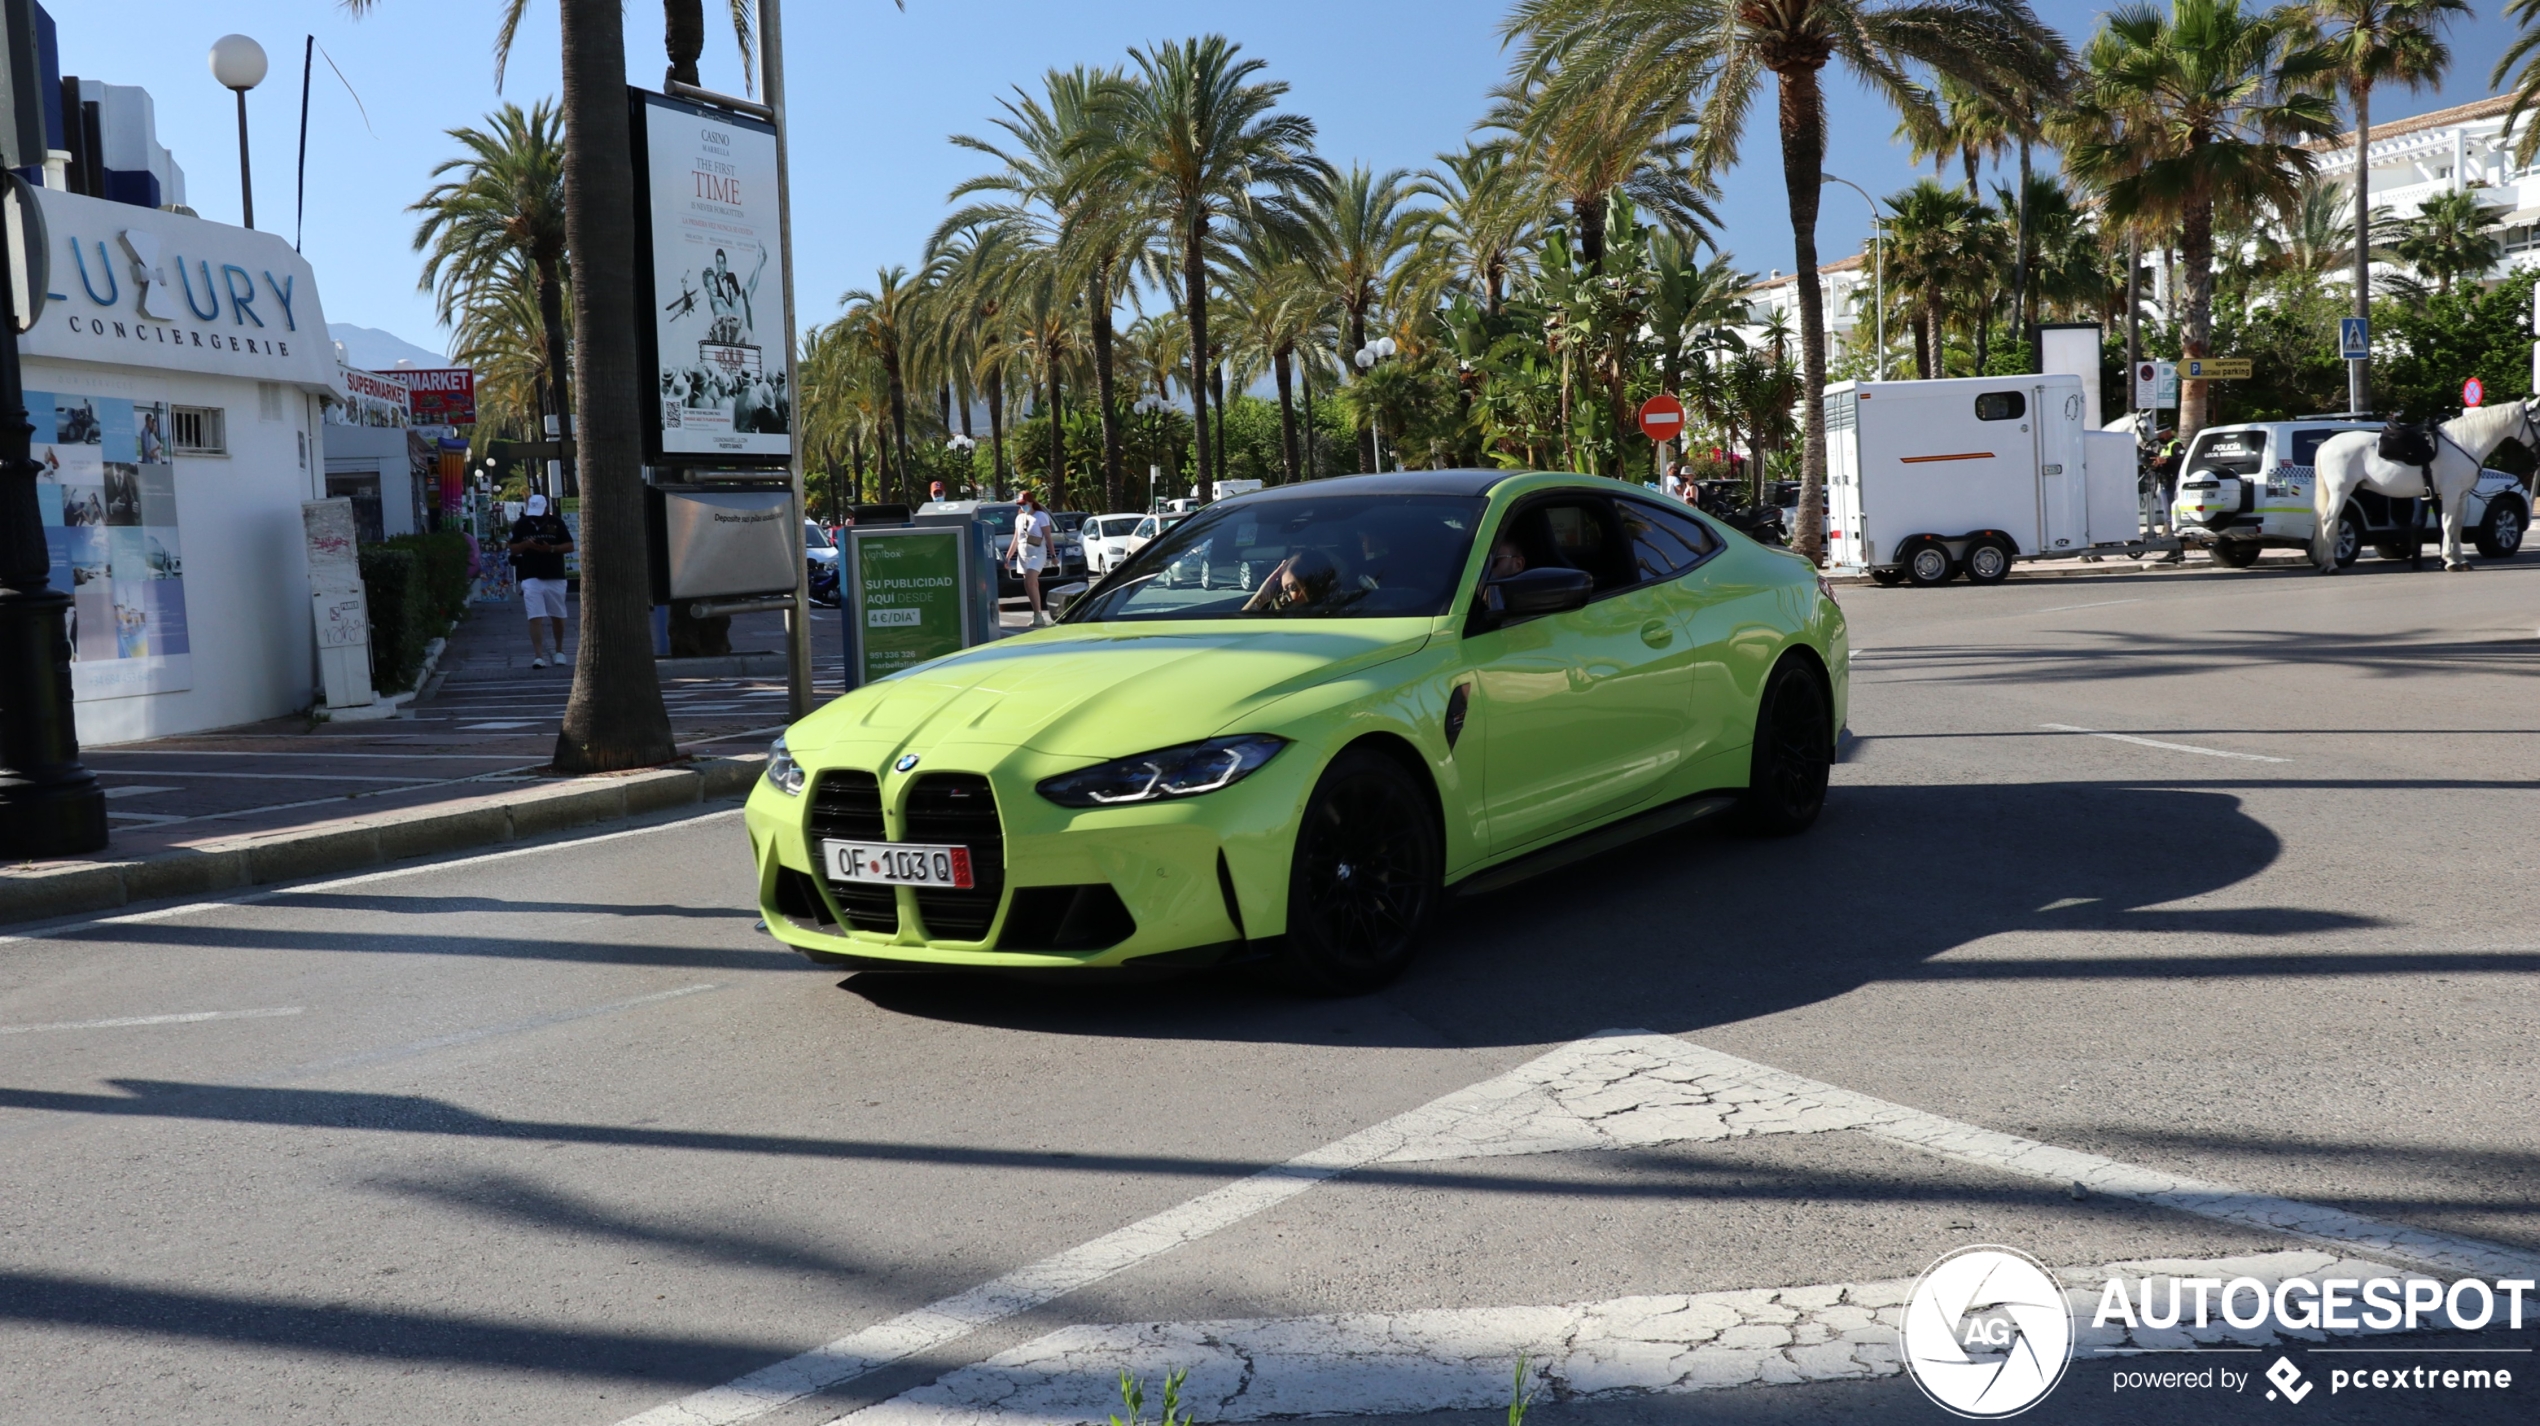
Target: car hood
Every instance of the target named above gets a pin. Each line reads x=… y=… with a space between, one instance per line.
x=1104 y=691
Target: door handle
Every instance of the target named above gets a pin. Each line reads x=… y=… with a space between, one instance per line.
x=1656 y=634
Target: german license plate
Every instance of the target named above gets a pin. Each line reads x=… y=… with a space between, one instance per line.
x=898 y=864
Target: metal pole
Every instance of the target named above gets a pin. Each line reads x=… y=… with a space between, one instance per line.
x=771 y=60
x=1878 y=269
x=50 y=806
x=246 y=183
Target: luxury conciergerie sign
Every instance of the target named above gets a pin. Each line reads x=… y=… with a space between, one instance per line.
x=135 y=286
x=715 y=324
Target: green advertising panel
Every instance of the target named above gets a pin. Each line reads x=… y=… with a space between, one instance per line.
x=907 y=598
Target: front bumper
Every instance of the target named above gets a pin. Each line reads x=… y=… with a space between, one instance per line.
x=1199 y=880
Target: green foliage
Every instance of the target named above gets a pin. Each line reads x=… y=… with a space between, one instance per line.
x=401 y=621
x=2422 y=353
x=1133 y=1395
x=1520 y=1396
x=443 y=557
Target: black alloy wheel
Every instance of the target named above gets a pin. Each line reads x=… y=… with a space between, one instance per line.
x=1794 y=752
x=2239 y=554
x=1365 y=880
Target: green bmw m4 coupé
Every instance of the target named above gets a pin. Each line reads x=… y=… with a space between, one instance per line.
x=1285 y=729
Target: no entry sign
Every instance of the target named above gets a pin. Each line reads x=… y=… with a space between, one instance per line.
x=1662 y=417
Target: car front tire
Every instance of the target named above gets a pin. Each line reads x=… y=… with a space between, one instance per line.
x=2499 y=536
x=1365 y=878
x=1794 y=752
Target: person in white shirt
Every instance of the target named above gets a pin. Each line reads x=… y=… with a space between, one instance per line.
x=1030 y=552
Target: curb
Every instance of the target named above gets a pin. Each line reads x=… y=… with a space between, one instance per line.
x=31 y=893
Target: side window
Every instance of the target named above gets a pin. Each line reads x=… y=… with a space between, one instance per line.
x=1664 y=543
x=2001 y=406
x=2306 y=447
x=1564 y=535
x=1146 y=527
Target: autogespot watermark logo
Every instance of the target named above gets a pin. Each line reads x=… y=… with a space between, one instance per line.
x=1987 y=1333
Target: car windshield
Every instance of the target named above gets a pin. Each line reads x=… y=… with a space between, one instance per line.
x=999 y=518
x=815 y=538
x=1334 y=557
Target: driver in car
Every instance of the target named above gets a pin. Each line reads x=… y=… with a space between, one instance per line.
x=1298 y=582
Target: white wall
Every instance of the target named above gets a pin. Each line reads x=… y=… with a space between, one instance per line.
x=246 y=565
x=384 y=449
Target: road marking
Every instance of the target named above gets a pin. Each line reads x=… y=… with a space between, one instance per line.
x=2067 y=608
x=115 y=792
x=121 y=1022
x=2157 y=743
x=251 y=898
x=250 y=777
x=1617 y=1090
x=494 y=727
x=1398 y=1363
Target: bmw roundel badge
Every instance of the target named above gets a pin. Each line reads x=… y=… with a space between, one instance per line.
x=907 y=761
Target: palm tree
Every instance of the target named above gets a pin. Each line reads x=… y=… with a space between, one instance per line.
x=493 y=213
x=1200 y=139
x=1581 y=154
x=1929 y=236
x=1361 y=231
x=1059 y=188
x=2450 y=237
x=2204 y=105
x=883 y=320
x=498 y=335
x=2372 y=43
x=1711 y=58
x=1487 y=217
x=1279 y=308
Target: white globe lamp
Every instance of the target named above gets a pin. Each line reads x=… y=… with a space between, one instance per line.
x=239 y=64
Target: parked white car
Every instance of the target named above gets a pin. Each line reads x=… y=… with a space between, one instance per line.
x=1111 y=539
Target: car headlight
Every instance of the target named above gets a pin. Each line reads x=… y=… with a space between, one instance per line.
x=1183 y=771
x=783 y=771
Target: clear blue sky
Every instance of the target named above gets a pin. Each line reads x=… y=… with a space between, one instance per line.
x=875 y=93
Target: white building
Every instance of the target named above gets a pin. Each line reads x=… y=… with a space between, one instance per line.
x=2463 y=147
x=175 y=377
x=1846 y=284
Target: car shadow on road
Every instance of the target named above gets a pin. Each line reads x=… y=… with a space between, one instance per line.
x=1699 y=928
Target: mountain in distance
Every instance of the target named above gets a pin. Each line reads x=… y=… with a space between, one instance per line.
x=370 y=349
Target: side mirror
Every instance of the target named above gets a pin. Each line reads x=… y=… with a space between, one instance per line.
x=1528 y=593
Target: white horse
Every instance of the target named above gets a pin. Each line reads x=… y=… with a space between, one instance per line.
x=2348 y=463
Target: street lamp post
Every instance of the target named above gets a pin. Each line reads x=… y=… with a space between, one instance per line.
x=1366 y=359
x=1878 y=267
x=239 y=64
x=50 y=805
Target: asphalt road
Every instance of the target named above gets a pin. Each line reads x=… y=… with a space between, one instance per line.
x=556 y=1135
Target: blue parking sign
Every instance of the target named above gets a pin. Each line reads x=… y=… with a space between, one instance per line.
x=2354 y=338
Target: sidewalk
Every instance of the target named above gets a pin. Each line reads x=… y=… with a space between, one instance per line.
x=457 y=768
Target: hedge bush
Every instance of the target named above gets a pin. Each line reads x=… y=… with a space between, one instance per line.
x=401 y=615
x=445 y=577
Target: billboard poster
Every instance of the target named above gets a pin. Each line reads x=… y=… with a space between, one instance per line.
x=440 y=395
x=906 y=599
x=106 y=491
x=716 y=320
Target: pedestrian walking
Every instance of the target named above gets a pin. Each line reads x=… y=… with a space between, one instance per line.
x=1030 y=552
x=539 y=543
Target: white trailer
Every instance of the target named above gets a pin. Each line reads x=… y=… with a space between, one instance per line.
x=1926 y=480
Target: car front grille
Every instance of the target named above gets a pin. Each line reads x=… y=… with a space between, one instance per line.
x=848 y=804
x=958 y=809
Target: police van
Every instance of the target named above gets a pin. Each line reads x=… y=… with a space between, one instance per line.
x=2246 y=488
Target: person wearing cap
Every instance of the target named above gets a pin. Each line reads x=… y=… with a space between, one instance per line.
x=540 y=541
